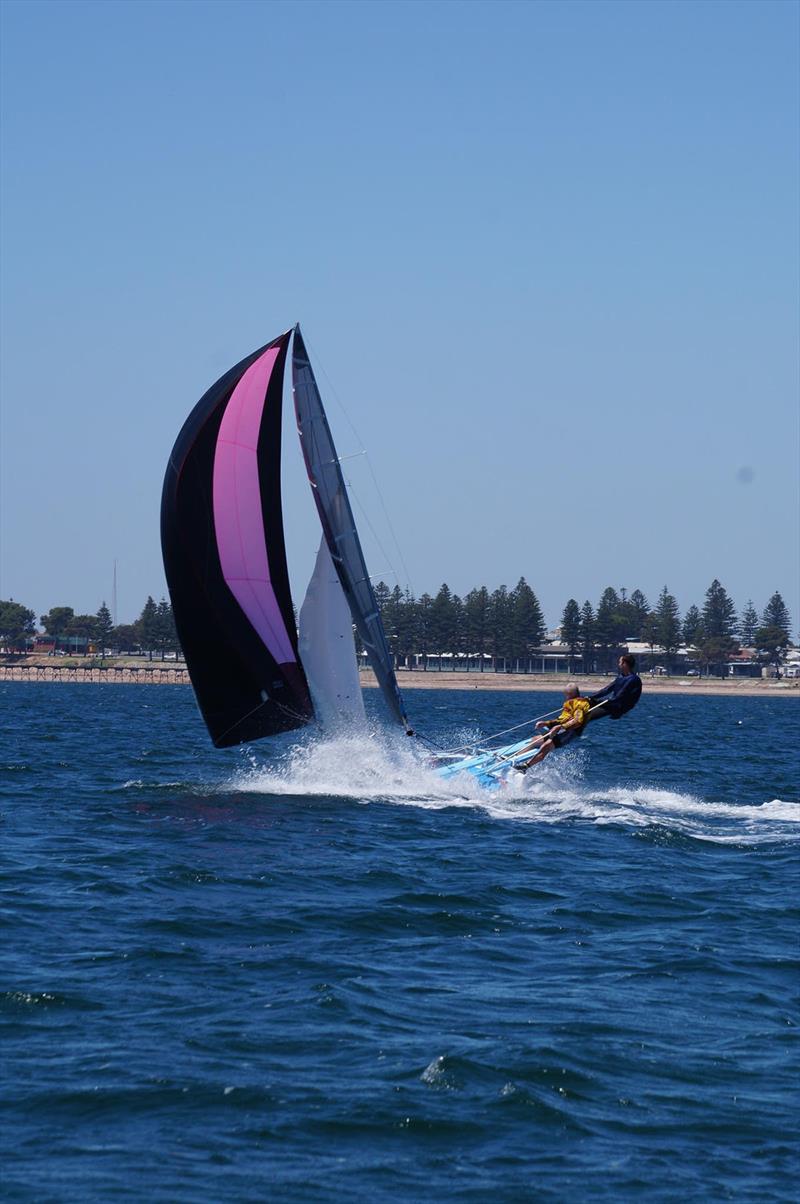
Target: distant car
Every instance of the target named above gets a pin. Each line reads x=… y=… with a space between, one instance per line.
x=692 y=672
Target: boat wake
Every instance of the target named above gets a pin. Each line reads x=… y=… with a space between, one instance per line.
x=392 y=771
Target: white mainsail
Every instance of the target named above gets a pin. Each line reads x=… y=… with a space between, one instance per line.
x=327 y=648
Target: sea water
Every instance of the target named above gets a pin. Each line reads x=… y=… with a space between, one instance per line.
x=309 y=970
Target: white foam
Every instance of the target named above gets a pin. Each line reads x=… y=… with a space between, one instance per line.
x=342 y=766
x=394 y=770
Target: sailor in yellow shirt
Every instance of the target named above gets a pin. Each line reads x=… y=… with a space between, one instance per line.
x=561 y=731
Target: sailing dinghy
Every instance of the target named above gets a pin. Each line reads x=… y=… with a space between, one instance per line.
x=224 y=554
x=254 y=675
x=491 y=768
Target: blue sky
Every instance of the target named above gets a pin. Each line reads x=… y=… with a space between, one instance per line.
x=545 y=255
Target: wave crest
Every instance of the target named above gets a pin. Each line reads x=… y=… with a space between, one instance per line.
x=393 y=770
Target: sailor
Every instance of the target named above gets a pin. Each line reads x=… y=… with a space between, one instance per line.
x=621 y=695
x=561 y=731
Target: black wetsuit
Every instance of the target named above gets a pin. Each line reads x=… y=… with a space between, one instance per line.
x=620 y=696
x=561 y=739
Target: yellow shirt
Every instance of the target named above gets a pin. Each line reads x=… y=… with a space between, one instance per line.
x=574 y=708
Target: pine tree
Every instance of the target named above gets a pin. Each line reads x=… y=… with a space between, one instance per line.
x=587 y=637
x=147 y=625
x=719 y=613
x=393 y=621
x=609 y=623
x=772 y=642
x=382 y=595
x=166 y=635
x=458 y=639
x=718 y=623
x=772 y=637
x=442 y=622
x=692 y=626
x=638 y=610
x=776 y=614
x=105 y=626
x=477 y=621
x=500 y=609
x=423 y=627
x=527 y=626
x=632 y=612
x=571 y=629
x=405 y=624
x=668 y=624
x=748 y=624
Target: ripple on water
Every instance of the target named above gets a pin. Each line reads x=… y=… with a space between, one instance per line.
x=313 y=970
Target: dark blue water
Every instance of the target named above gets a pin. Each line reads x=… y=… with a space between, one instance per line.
x=312 y=973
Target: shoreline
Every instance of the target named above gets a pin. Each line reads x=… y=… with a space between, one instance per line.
x=158 y=673
x=591 y=683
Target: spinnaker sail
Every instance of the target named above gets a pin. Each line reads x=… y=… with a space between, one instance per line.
x=338 y=525
x=225 y=557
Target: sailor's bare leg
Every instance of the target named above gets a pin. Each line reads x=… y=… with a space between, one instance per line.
x=547 y=747
x=537 y=742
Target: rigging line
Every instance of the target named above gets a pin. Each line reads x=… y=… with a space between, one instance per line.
x=366 y=454
x=280 y=705
x=332 y=389
x=427 y=740
x=390 y=525
x=375 y=535
x=504 y=732
x=352 y=456
x=517 y=761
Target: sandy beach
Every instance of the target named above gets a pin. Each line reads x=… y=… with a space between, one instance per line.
x=136 y=672
x=542 y=682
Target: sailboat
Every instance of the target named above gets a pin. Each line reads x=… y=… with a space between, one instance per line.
x=222 y=536
x=254 y=673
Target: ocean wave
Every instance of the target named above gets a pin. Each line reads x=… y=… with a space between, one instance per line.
x=176 y=787
x=389 y=771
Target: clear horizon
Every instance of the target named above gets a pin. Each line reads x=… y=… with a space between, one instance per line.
x=545 y=256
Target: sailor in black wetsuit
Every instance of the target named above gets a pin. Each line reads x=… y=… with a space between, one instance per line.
x=621 y=695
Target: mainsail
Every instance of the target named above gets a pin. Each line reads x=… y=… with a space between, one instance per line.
x=225 y=558
x=338 y=525
x=327 y=649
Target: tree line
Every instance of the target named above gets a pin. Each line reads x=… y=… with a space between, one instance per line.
x=153 y=631
x=508 y=625
x=504 y=624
